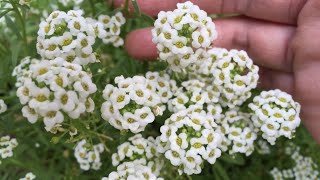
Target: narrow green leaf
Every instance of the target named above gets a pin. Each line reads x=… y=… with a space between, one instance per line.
x=136 y=7
x=13 y=26
x=221 y=171
x=15 y=54
x=4 y=13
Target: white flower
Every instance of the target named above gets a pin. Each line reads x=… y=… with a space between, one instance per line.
x=119 y=98
x=192 y=159
x=131 y=121
x=77 y=111
x=3 y=106
x=175 y=156
x=51 y=118
x=30 y=114
x=85 y=86
x=77 y=25
x=85 y=43
x=211 y=155
x=29 y=176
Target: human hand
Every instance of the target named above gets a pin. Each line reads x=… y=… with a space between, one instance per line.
x=281 y=36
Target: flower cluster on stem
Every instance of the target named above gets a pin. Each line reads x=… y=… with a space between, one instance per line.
x=7 y=144
x=56 y=88
x=88 y=156
x=183 y=35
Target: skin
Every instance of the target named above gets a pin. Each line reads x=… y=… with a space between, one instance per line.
x=281 y=36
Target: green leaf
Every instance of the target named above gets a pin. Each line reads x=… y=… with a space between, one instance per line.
x=221 y=171
x=15 y=54
x=4 y=13
x=13 y=26
x=136 y=7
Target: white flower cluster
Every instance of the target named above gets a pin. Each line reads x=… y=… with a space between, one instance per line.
x=25 y=2
x=7 y=145
x=263 y=147
x=3 y=106
x=235 y=73
x=195 y=92
x=134 y=102
x=88 y=156
x=56 y=87
x=71 y=36
x=22 y=70
x=112 y=26
x=75 y=3
x=304 y=169
x=276 y=114
x=29 y=176
x=183 y=35
x=141 y=149
x=238 y=132
x=134 y=170
x=188 y=138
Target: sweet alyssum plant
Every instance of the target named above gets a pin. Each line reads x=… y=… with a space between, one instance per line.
x=176 y=121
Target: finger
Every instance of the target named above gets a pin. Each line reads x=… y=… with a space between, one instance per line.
x=283 y=11
x=139 y=45
x=272 y=79
x=266 y=43
x=150 y=7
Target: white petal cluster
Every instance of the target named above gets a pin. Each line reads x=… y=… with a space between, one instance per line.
x=29 y=176
x=71 y=36
x=66 y=3
x=134 y=170
x=235 y=73
x=139 y=148
x=264 y=147
x=231 y=73
x=3 y=106
x=134 y=102
x=22 y=70
x=304 y=169
x=188 y=138
x=239 y=133
x=25 y=2
x=276 y=114
x=7 y=144
x=88 y=156
x=56 y=88
x=112 y=26
x=163 y=85
x=195 y=92
x=183 y=35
